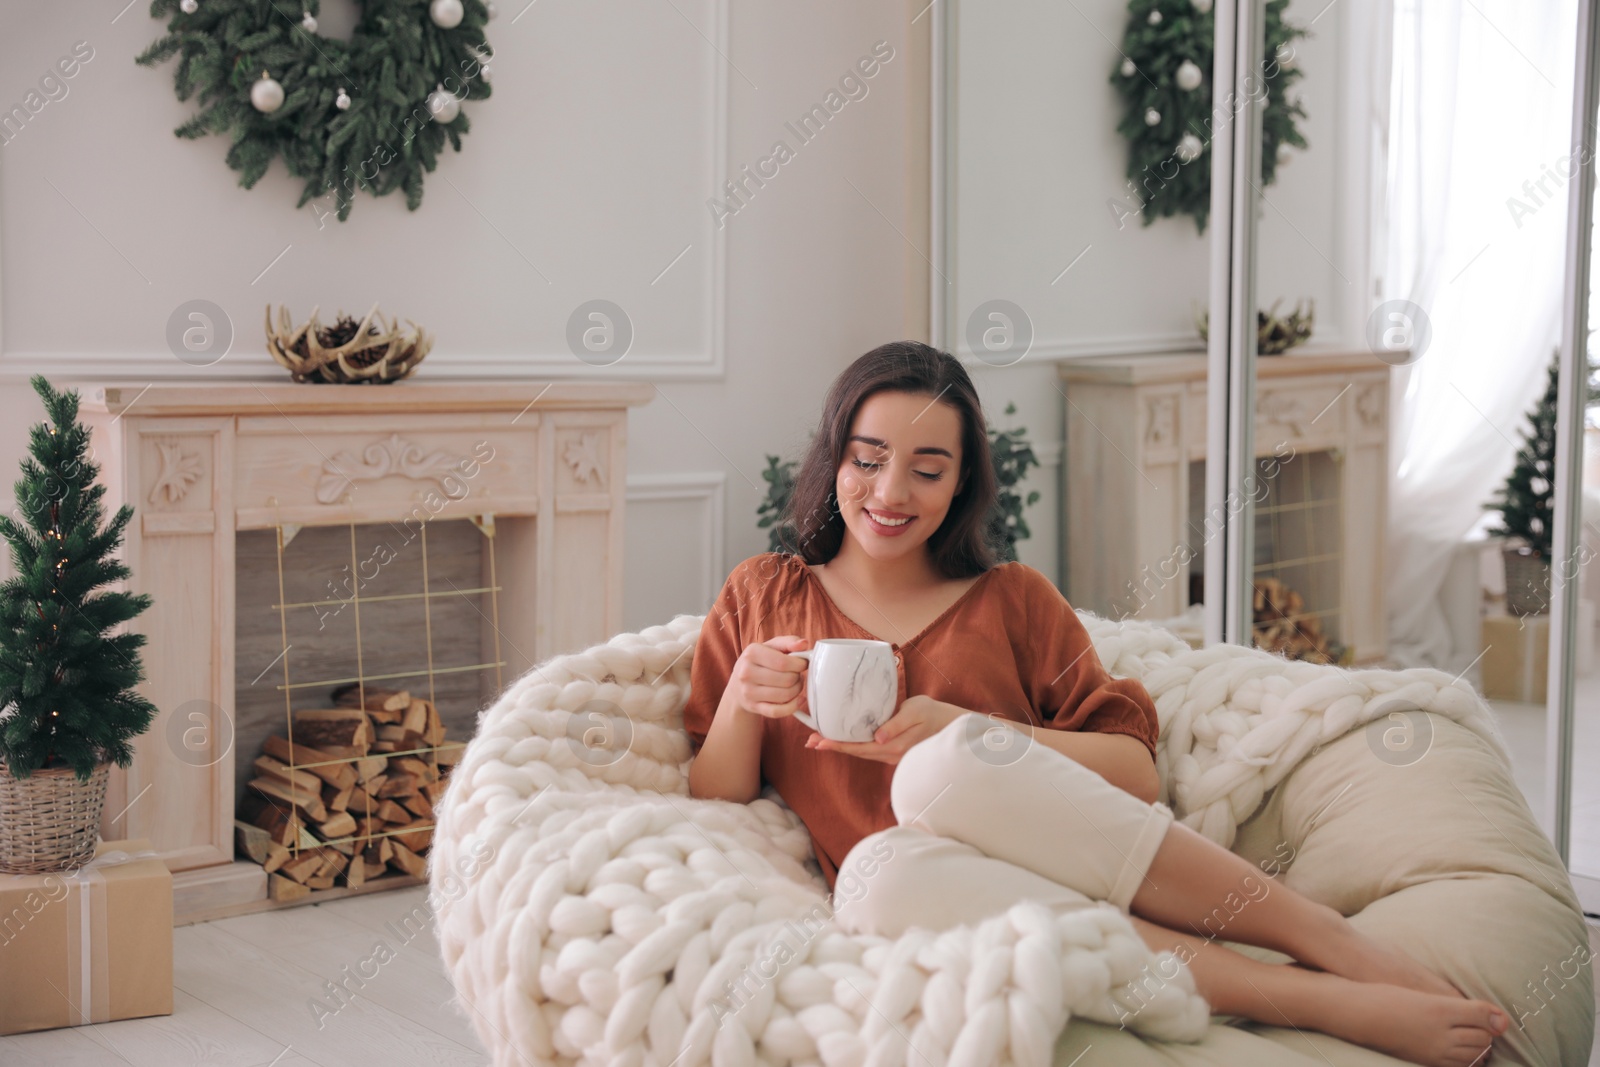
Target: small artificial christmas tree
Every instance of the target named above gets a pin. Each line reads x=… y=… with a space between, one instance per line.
x=1526 y=501
x=66 y=686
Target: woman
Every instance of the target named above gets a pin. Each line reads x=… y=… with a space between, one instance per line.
x=951 y=814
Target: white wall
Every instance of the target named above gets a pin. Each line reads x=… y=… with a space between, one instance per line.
x=592 y=166
x=584 y=176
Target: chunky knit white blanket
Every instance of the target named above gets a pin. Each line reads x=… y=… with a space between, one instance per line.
x=590 y=911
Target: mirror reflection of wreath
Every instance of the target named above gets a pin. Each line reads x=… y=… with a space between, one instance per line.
x=1164 y=79
x=370 y=113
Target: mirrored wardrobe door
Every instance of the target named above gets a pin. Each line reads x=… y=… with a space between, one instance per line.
x=1572 y=741
x=1075 y=280
x=1409 y=274
x=1317 y=511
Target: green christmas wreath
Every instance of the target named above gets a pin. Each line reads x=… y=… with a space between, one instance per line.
x=1164 y=78
x=369 y=113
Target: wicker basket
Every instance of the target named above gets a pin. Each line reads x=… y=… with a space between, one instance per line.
x=1527 y=581
x=50 y=820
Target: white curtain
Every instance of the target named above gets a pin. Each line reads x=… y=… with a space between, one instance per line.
x=1472 y=230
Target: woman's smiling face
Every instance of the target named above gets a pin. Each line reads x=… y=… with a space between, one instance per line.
x=900 y=471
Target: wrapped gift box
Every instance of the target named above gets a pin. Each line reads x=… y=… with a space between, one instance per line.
x=1516 y=653
x=87 y=946
x=1515 y=658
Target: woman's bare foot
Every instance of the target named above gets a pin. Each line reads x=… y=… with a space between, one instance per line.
x=1440 y=1031
x=1344 y=950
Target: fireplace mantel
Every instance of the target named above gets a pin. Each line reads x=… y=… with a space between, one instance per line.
x=410 y=395
x=541 y=464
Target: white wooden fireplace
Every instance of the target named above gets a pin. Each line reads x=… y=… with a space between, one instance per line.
x=540 y=467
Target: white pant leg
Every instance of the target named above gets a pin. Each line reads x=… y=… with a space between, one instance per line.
x=1031 y=806
x=902 y=877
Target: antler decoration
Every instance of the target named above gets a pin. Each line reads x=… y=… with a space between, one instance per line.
x=347 y=351
x=1275 y=334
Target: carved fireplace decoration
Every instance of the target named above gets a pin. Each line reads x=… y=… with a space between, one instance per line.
x=395 y=455
x=1133 y=487
x=225 y=476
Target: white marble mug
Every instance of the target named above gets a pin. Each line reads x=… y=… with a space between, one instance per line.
x=852 y=687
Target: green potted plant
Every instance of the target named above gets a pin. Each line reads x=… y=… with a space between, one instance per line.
x=1526 y=503
x=68 y=707
x=1009 y=451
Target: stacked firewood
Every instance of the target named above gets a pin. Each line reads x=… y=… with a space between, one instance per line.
x=1280 y=625
x=350 y=799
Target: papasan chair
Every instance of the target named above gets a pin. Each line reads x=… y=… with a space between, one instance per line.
x=590 y=912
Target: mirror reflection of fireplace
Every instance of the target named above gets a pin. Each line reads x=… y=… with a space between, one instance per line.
x=1298 y=564
x=1135 y=511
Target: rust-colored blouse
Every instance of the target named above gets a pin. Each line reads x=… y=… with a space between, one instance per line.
x=1011 y=646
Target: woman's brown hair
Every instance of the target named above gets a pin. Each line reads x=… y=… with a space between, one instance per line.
x=961 y=546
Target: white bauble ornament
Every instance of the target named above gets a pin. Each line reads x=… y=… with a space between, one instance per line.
x=266 y=95
x=445 y=106
x=1202 y=6
x=1189 y=147
x=1128 y=68
x=489 y=7
x=1155 y=18
x=482 y=59
x=189 y=7
x=1152 y=117
x=1189 y=75
x=1285 y=58
x=342 y=101
x=1284 y=155
x=446 y=13
x=308 y=22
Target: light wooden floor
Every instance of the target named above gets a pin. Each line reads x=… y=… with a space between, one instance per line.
x=245 y=989
x=246 y=986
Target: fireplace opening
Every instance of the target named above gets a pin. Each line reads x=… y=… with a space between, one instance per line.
x=364 y=652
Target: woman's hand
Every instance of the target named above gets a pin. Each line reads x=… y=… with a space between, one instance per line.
x=917 y=717
x=767 y=681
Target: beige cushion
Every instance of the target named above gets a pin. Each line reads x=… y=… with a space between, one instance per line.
x=1441 y=857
